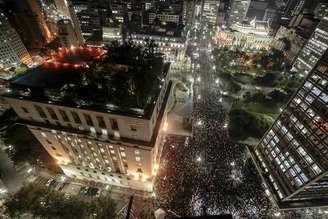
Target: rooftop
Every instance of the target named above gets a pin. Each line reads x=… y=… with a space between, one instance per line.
x=125 y=79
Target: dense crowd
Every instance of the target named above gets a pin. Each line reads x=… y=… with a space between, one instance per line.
x=207 y=173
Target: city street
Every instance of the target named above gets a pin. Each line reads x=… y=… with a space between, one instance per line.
x=208 y=173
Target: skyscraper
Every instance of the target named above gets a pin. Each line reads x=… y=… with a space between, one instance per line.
x=316 y=46
x=210 y=11
x=292 y=157
x=238 y=11
x=12 y=49
x=29 y=21
x=66 y=33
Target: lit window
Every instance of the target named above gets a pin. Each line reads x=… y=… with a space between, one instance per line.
x=138 y=159
x=123 y=154
x=137 y=152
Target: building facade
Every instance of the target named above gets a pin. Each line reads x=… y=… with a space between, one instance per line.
x=240 y=40
x=171 y=46
x=238 y=11
x=12 y=49
x=106 y=146
x=210 y=10
x=313 y=50
x=66 y=33
x=292 y=156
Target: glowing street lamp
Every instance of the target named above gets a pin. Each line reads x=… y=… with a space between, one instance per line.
x=199 y=159
x=199 y=97
x=198 y=79
x=217 y=81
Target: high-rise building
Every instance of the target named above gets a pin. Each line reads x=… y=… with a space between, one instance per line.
x=12 y=49
x=28 y=19
x=257 y=9
x=238 y=11
x=321 y=10
x=210 y=11
x=75 y=23
x=316 y=46
x=222 y=12
x=292 y=157
x=66 y=33
x=188 y=13
x=95 y=139
x=62 y=8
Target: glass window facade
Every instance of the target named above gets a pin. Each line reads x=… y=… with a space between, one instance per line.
x=292 y=155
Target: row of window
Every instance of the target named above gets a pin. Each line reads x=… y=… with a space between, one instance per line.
x=76 y=118
x=96 y=154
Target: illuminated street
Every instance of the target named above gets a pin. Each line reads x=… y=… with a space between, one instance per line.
x=208 y=172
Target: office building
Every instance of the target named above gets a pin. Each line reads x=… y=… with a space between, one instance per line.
x=188 y=14
x=12 y=49
x=238 y=11
x=257 y=9
x=66 y=33
x=321 y=10
x=210 y=11
x=292 y=157
x=28 y=18
x=313 y=49
x=93 y=139
x=223 y=13
x=112 y=33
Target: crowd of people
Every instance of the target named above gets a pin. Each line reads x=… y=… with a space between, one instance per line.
x=208 y=173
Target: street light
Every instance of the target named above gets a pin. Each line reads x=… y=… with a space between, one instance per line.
x=199 y=97
x=198 y=79
x=217 y=81
x=232 y=163
x=199 y=159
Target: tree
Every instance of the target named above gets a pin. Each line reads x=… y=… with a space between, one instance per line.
x=43 y=202
x=102 y=208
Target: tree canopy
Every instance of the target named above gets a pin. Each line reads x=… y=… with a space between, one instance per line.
x=43 y=202
x=127 y=75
